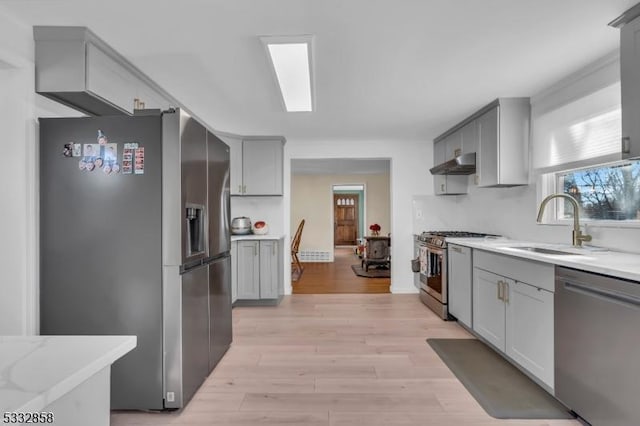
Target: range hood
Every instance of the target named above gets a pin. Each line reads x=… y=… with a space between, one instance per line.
x=464 y=164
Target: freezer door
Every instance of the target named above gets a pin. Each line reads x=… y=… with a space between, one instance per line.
x=218 y=196
x=195 y=331
x=100 y=248
x=193 y=154
x=219 y=309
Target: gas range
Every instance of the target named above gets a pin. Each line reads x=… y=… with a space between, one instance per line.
x=433 y=267
x=439 y=238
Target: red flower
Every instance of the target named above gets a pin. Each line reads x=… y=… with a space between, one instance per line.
x=375 y=227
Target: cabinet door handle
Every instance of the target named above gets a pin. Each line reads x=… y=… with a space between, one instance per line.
x=442 y=187
x=240 y=189
x=626 y=145
x=505 y=293
x=244 y=189
x=499 y=287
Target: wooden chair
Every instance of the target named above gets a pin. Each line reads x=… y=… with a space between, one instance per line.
x=295 y=244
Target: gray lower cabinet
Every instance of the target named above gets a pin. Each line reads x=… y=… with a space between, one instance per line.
x=248 y=270
x=269 y=269
x=514 y=315
x=234 y=271
x=259 y=267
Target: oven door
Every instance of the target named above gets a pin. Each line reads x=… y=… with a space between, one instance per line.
x=433 y=272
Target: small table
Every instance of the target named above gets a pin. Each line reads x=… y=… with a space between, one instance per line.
x=377 y=252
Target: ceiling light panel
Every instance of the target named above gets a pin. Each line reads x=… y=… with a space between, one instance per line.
x=291 y=61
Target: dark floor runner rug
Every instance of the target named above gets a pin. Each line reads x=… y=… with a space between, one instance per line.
x=373 y=272
x=499 y=387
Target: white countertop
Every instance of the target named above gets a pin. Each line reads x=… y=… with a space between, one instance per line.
x=37 y=370
x=256 y=237
x=613 y=263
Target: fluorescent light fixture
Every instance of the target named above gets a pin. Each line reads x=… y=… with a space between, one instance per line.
x=292 y=65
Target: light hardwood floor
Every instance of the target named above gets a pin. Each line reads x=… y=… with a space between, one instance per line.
x=333 y=360
x=338 y=277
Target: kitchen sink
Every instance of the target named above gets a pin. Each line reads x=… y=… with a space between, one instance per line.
x=543 y=250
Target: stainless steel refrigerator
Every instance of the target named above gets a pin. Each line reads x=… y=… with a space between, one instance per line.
x=134 y=240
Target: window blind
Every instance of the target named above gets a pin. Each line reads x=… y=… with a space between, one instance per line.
x=581 y=133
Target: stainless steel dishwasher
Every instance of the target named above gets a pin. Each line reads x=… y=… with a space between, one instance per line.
x=597 y=347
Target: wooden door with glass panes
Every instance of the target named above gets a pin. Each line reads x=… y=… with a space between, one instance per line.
x=345 y=217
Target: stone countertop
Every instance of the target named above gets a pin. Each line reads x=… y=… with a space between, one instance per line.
x=37 y=370
x=592 y=259
x=256 y=237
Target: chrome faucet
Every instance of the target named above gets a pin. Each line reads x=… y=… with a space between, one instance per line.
x=578 y=236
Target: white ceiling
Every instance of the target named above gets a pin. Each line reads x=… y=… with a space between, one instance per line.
x=384 y=69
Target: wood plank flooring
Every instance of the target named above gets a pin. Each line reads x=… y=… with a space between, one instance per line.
x=333 y=360
x=337 y=277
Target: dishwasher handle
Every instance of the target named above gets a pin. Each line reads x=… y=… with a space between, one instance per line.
x=602 y=293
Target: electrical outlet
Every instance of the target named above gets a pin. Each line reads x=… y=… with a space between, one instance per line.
x=171 y=397
x=419 y=213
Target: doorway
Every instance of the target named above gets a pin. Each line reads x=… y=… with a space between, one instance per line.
x=338 y=198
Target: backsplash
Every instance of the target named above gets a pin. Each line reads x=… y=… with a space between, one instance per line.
x=268 y=209
x=510 y=212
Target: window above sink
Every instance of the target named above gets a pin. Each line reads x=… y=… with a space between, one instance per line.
x=610 y=192
x=578 y=149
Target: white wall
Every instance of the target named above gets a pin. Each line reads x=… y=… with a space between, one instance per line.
x=19 y=109
x=268 y=209
x=408 y=177
x=510 y=212
x=18 y=244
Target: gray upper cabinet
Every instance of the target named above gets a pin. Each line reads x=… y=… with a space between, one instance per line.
x=78 y=69
x=257 y=167
x=469 y=137
x=630 y=80
x=462 y=141
x=439 y=155
x=502 y=158
x=108 y=79
x=487 y=155
x=499 y=136
x=447 y=184
x=444 y=150
x=453 y=145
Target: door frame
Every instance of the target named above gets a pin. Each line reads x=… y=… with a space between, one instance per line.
x=332 y=215
x=355 y=196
